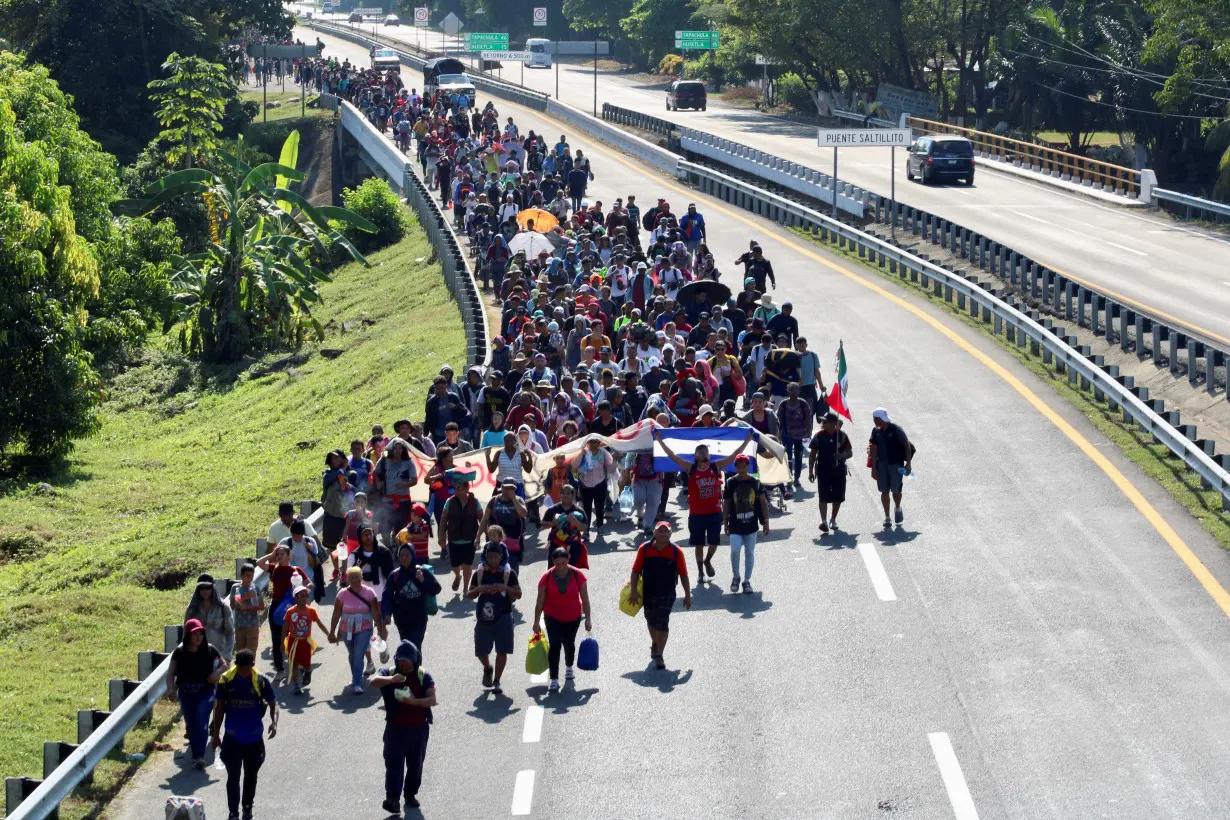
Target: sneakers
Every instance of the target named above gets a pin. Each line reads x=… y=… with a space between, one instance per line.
x=488 y=677
x=298 y=689
x=391 y=806
x=659 y=663
x=199 y=762
x=247 y=813
x=833 y=525
x=898 y=516
x=553 y=686
x=370 y=669
x=700 y=573
x=232 y=816
x=888 y=522
x=495 y=688
x=824 y=527
x=747 y=587
x=457 y=578
x=412 y=802
x=307 y=676
x=709 y=568
x=734 y=584
x=568 y=673
x=356 y=690
x=787 y=493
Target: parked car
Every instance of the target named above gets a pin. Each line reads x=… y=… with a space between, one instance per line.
x=686 y=94
x=355 y=17
x=392 y=20
x=940 y=157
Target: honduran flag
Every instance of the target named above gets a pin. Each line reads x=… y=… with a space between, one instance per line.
x=722 y=442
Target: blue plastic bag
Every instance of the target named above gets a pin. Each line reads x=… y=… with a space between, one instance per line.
x=278 y=614
x=587 y=655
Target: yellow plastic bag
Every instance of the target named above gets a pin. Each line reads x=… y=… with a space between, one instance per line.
x=625 y=594
x=536 y=655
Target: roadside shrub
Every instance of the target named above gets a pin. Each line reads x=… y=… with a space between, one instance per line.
x=375 y=200
x=790 y=90
x=670 y=64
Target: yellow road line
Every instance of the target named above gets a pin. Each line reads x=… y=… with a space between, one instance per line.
x=1207 y=580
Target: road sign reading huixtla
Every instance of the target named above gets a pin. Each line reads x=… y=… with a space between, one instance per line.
x=481 y=41
x=698 y=40
x=506 y=56
x=863 y=137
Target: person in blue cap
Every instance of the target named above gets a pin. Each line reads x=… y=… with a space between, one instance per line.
x=409 y=693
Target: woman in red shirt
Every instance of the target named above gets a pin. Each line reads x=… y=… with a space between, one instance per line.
x=563 y=597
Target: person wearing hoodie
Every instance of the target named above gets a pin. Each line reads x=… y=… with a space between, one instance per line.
x=470 y=391
x=394 y=476
x=405 y=596
x=408 y=693
x=444 y=406
x=215 y=615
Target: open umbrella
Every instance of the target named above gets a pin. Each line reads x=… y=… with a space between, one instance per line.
x=717 y=293
x=543 y=220
x=533 y=243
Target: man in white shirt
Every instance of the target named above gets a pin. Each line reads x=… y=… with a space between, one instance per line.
x=619 y=278
x=280 y=529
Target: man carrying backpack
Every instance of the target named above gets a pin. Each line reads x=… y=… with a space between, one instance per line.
x=242 y=698
x=891 y=455
x=409 y=693
x=646 y=485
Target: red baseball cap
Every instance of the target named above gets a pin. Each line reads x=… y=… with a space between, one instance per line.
x=193 y=625
x=741 y=458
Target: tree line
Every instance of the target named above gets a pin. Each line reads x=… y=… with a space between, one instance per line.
x=192 y=238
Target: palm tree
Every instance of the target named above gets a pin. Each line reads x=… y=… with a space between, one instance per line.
x=256 y=281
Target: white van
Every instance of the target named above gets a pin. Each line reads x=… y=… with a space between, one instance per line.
x=540 y=52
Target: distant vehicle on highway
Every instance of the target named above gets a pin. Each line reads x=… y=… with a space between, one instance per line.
x=686 y=94
x=355 y=17
x=385 y=58
x=540 y=52
x=939 y=158
x=392 y=20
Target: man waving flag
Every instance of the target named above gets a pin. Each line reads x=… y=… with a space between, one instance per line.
x=836 y=397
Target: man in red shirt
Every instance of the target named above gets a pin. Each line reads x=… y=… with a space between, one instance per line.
x=661 y=567
x=704 y=500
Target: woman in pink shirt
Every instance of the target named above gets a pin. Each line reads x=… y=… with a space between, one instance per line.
x=357 y=609
x=564 y=598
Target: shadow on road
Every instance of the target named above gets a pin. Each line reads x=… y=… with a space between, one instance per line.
x=492 y=709
x=348 y=703
x=568 y=697
x=894 y=537
x=839 y=540
x=664 y=680
x=713 y=596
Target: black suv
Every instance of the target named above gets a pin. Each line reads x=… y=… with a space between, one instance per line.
x=686 y=94
x=941 y=157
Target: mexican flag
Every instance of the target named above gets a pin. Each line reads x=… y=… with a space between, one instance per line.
x=837 y=393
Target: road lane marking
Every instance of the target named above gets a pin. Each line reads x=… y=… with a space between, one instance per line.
x=523 y=793
x=954 y=781
x=1206 y=579
x=1033 y=218
x=533 y=724
x=1123 y=247
x=879 y=578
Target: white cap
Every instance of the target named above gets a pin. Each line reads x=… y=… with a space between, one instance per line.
x=881 y=414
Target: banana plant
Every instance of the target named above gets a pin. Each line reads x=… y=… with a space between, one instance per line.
x=255 y=283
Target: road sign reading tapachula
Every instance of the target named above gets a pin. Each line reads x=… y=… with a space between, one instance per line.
x=481 y=41
x=863 y=137
x=698 y=40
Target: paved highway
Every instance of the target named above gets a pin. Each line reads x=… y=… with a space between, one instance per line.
x=1028 y=645
x=1181 y=271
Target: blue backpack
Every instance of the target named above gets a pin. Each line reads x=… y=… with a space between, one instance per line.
x=587 y=655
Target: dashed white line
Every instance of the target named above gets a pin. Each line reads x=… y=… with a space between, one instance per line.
x=1124 y=247
x=523 y=793
x=533 y=724
x=954 y=781
x=879 y=578
x=1031 y=218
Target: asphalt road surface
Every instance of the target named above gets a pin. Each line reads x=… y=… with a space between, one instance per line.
x=1177 y=271
x=1029 y=644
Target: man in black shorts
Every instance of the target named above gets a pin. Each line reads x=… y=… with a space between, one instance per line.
x=662 y=567
x=830 y=449
x=496 y=589
x=459 y=532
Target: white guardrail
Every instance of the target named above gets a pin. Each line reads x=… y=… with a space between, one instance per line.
x=68 y=773
x=644 y=150
x=980 y=301
x=1193 y=206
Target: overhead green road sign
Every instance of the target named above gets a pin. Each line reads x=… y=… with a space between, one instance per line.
x=486 y=41
x=698 y=40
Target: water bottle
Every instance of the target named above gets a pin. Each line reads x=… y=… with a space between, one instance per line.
x=625 y=502
x=906 y=473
